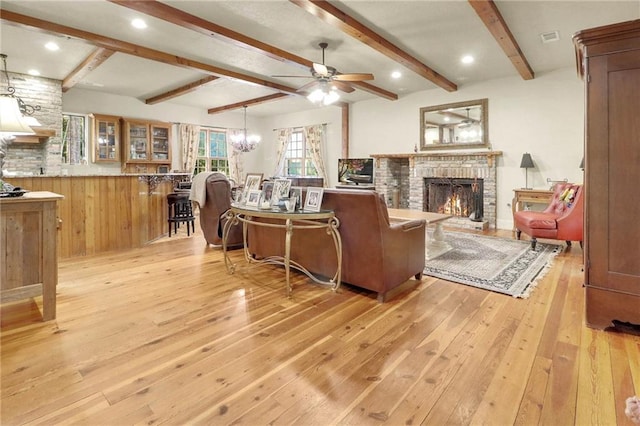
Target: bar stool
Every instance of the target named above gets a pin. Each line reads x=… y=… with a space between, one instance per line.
x=180 y=211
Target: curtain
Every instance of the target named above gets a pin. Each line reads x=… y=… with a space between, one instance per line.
x=234 y=158
x=283 y=139
x=314 y=136
x=73 y=127
x=190 y=139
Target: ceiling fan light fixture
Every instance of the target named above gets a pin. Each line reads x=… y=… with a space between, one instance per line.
x=330 y=97
x=316 y=96
x=324 y=96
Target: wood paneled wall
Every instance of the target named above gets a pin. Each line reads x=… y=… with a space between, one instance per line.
x=103 y=213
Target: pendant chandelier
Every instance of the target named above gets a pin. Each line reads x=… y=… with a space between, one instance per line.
x=15 y=114
x=242 y=141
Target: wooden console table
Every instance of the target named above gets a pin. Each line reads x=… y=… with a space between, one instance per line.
x=532 y=196
x=298 y=219
x=29 y=263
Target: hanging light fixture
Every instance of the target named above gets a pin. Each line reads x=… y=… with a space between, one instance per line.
x=324 y=95
x=13 y=109
x=243 y=142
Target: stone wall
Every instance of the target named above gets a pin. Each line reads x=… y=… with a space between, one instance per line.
x=43 y=157
x=406 y=172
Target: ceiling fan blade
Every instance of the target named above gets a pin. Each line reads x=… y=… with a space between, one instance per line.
x=345 y=87
x=321 y=69
x=307 y=87
x=353 y=77
x=293 y=76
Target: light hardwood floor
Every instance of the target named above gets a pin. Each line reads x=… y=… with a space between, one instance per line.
x=163 y=335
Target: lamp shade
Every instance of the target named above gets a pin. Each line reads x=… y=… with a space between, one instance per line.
x=11 y=120
x=526 y=162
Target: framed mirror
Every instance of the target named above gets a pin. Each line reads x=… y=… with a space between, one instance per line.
x=455 y=126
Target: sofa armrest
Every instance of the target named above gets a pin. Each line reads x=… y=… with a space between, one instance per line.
x=407 y=237
x=408 y=225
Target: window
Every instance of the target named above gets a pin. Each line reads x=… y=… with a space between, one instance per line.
x=74 y=138
x=212 y=152
x=297 y=159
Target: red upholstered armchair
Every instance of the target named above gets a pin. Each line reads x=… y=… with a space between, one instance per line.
x=561 y=220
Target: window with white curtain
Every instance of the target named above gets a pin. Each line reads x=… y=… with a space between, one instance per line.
x=297 y=159
x=75 y=134
x=212 y=152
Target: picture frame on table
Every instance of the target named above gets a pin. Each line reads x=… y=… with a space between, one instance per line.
x=253 y=197
x=251 y=181
x=313 y=201
x=281 y=188
x=296 y=191
x=266 y=194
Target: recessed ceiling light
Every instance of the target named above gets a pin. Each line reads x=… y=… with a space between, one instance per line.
x=139 y=23
x=396 y=74
x=34 y=72
x=52 y=46
x=467 y=59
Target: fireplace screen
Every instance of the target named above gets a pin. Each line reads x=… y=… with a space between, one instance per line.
x=454 y=196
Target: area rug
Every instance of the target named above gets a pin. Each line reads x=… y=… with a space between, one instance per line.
x=502 y=265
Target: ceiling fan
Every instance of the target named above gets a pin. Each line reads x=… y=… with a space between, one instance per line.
x=328 y=77
x=468 y=121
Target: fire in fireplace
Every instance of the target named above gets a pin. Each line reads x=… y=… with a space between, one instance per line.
x=454 y=196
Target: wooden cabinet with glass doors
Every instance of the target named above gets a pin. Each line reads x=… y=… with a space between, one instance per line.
x=106 y=138
x=147 y=146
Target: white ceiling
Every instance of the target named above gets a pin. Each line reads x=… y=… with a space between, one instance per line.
x=438 y=33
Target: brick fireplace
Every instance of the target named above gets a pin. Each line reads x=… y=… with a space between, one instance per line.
x=407 y=181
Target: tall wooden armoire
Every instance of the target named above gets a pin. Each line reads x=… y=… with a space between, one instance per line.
x=609 y=62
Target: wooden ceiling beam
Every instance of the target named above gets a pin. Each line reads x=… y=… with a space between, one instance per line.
x=349 y=25
x=179 y=91
x=210 y=29
x=374 y=90
x=492 y=19
x=255 y=101
x=195 y=23
x=137 y=50
x=93 y=61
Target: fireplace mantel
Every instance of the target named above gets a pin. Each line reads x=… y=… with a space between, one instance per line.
x=490 y=155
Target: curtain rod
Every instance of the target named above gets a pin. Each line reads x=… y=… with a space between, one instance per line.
x=294 y=127
x=208 y=126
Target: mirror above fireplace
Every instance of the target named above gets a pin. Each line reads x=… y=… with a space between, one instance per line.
x=455 y=126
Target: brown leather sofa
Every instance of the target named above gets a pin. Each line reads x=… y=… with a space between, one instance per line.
x=561 y=220
x=376 y=255
x=217 y=200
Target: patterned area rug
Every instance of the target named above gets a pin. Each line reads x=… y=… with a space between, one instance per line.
x=498 y=264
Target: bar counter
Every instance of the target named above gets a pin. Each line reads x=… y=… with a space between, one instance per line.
x=108 y=212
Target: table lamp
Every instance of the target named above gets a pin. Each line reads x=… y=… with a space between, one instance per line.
x=526 y=163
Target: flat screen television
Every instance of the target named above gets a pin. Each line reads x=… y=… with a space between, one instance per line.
x=355 y=170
